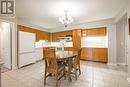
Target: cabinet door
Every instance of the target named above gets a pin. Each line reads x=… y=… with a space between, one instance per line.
x=86 y=54
x=103 y=55
x=68 y=49
x=89 y=54
x=46 y=36
x=101 y=31
x=95 y=54
x=96 y=31
x=100 y=54
x=76 y=39
x=84 y=32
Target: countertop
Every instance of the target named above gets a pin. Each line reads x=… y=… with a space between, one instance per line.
x=93 y=47
x=50 y=46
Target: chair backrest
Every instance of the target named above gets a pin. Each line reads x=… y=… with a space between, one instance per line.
x=77 y=58
x=50 y=59
x=79 y=53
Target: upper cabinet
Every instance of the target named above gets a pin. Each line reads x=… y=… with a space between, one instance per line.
x=76 y=36
x=43 y=35
x=102 y=31
x=40 y=35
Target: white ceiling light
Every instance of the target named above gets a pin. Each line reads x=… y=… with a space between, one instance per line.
x=66 y=19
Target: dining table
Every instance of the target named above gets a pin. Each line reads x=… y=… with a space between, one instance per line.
x=67 y=56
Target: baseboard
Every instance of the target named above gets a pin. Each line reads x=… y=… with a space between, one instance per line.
x=128 y=79
x=14 y=68
x=123 y=64
x=112 y=64
x=39 y=60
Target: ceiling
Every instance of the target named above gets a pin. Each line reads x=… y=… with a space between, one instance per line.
x=45 y=13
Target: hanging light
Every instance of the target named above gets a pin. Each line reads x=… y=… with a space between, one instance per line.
x=66 y=19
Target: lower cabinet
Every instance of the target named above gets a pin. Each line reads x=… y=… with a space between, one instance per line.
x=94 y=54
x=68 y=48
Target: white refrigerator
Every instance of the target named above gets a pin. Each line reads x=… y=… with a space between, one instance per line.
x=26 y=48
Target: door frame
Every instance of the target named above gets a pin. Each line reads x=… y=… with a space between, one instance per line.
x=11 y=26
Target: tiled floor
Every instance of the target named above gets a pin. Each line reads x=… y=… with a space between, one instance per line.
x=93 y=75
x=4 y=69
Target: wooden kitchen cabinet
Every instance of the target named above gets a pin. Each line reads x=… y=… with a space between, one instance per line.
x=101 y=31
x=86 y=54
x=96 y=32
x=60 y=34
x=94 y=54
x=43 y=35
x=84 y=32
x=103 y=54
x=68 y=48
x=55 y=37
x=76 y=37
x=40 y=35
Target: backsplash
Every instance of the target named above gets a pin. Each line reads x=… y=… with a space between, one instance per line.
x=45 y=43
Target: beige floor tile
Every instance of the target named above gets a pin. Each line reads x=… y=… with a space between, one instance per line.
x=93 y=75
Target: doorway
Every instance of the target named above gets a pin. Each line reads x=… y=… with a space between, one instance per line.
x=122 y=40
x=5 y=46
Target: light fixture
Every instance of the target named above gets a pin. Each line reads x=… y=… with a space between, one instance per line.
x=66 y=19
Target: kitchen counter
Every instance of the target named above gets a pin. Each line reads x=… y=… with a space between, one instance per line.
x=51 y=46
x=93 y=47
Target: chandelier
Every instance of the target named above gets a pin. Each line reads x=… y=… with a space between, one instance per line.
x=66 y=19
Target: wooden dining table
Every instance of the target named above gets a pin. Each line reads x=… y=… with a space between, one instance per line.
x=67 y=56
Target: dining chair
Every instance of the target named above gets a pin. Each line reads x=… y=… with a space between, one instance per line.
x=52 y=67
x=76 y=63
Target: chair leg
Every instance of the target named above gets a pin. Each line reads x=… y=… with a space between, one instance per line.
x=57 y=84
x=45 y=76
x=75 y=74
x=57 y=81
x=64 y=74
x=79 y=70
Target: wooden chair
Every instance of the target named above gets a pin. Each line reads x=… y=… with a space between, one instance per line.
x=76 y=63
x=52 y=67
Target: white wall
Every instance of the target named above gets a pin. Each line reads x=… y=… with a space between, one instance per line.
x=128 y=11
x=111 y=44
x=121 y=40
x=128 y=8
x=99 y=23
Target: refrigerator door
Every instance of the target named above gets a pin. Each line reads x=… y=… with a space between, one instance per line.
x=26 y=48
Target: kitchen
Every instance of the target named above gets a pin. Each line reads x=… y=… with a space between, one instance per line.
x=92 y=41
x=89 y=32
